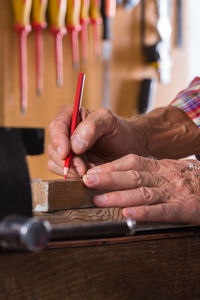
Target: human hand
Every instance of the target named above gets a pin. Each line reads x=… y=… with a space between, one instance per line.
x=149 y=190
x=99 y=137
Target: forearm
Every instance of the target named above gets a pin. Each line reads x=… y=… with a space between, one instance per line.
x=166 y=133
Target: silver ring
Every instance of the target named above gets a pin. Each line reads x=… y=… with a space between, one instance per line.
x=192 y=167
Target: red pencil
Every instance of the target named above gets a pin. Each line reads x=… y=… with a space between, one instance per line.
x=76 y=109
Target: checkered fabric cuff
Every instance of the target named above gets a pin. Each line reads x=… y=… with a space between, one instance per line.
x=188 y=100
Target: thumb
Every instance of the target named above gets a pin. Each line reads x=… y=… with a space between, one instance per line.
x=97 y=124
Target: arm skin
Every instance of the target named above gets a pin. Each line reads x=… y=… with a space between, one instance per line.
x=168 y=133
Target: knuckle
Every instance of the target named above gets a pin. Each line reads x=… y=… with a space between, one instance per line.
x=156 y=165
x=118 y=198
x=183 y=182
x=104 y=111
x=132 y=158
x=54 y=141
x=165 y=210
x=147 y=194
x=166 y=161
x=135 y=176
x=146 y=213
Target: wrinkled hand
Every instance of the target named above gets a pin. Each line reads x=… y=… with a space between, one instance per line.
x=149 y=190
x=99 y=137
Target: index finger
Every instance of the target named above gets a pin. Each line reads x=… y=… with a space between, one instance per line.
x=128 y=162
x=59 y=131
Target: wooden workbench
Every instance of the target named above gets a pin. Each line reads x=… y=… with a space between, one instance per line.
x=155 y=263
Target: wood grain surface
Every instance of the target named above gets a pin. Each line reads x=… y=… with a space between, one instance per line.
x=151 y=269
x=73 y=216
x=55 y=195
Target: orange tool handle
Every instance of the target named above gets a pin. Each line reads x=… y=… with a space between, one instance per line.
x=57 y=13
x=95 y=11
x=22 y=10
x=84 y=14
x=38 y=15
x=73 y=15
x=85 y=20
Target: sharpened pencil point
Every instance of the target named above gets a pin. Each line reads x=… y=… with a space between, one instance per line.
x=65 y=171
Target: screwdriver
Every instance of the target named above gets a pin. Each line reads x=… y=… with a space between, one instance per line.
x=73 y=26
x=96 y=20
x=22 y=10
x=57 y=12
x=39 y=23
x=85 y=20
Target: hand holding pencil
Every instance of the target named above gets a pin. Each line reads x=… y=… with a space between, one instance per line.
x=76 y=110
x=100 y=136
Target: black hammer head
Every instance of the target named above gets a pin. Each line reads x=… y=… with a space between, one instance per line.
x=15 y=191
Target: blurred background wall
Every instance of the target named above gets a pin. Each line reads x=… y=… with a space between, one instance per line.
x=126 y=69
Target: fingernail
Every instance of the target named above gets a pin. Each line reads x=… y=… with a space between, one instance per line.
x=129 y=212
x=93 y=170
x=78 y=143
x=91 y=178
x=59 y=151
x=100 y=200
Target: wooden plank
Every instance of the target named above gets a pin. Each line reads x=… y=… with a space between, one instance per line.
x=55 y=195
x=153 y=269
x=74 y=216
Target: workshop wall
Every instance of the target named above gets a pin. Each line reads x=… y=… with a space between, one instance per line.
x=127 y=69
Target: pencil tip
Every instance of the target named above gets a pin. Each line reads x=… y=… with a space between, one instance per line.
x=65 y=171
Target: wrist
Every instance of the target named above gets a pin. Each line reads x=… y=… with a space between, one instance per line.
x=139 y=134
x=166 y=132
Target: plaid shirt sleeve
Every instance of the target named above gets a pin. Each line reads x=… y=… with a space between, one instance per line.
x=188 y=100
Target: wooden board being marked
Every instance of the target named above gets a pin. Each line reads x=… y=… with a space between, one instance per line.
x=52 y=195
x=77 y=216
